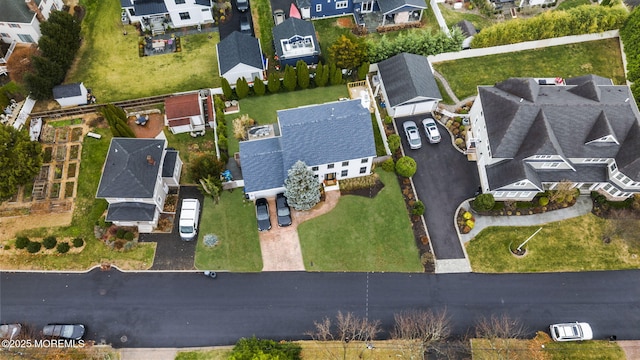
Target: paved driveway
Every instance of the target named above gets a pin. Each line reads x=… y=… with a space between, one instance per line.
x=171 y=252
x=232 y=23
x=443 y=180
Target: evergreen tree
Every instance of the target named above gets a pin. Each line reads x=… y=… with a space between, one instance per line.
x=318 y=76
x=273 y=83
x=227 y=91
x=46 y=75
x=302 y=189
x=258 y=86
x=117 y=119
x=289 y=80
x=303 y=74
x=335 y=75
x=242 y=88
x=20 y=160
x=348 y=52
x=60 y=38
x=363 y=70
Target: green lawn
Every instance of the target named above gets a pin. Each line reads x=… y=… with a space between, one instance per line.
x=585 y=350
x=532 y=349
x=328 y=32
x=568 y=4
x=218 y=354
x=595 y=57
x=109 y=64
x=570 y=245
x=362 y=234
x=234 y=222
x=452 y=17
x=261 y=10
x=263 y=108
x=189 y=149
x=446 y=99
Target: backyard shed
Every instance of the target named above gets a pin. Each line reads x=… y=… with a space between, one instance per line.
x=70 y=94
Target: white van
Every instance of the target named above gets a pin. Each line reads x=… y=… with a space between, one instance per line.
x=189 y=219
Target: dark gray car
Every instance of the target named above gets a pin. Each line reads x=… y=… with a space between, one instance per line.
x=242 y=5
x=283 y=211
x=262 y=213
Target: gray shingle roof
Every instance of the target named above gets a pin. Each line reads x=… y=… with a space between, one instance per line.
x=303 y=3
x=169 y=163
x=130 y=211
x=126 y=3
x=127 y=171
x=149 y=7
x=16 y=11
x=388 y=6
x=317 y=134
x=291 y=27
x=407 y=76
x=467 y=28
x=599 y=80
x=628 y=158
x=67 y=91
x=239 y=48
x=510 y=171
x=601 y=128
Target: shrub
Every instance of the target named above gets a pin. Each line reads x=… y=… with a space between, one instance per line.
x=361 y=182
x=210 y=240
x=128 y=245
x=63 y=247
x=128 y=236
x=34 y=247
x=240 y=126
x=22 y=242
x=388 y=120
x=388 y=165
x=470 y=223
x=78 y=242
x=49 y=242
x=418 y=208
x=543 y=201
x=484 y=202
x=120 y=233
x=258 y=86
x=394 y=142
x=273 y=83
x=406 y=166
x=242 y=88
x=467 y=215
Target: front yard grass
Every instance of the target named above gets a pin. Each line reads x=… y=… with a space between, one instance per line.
x=531 y=349
x=362 y=234
x=261 y=10
x=109 y=64
x=233 y=220
x=571 y=245
x=600 y=57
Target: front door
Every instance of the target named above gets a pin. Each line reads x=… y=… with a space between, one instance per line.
x=366 y=6
x=330 y=179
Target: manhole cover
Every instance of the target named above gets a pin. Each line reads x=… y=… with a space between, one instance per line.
x=123 y=338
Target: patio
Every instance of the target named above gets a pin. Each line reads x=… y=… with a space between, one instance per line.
x=159 y=45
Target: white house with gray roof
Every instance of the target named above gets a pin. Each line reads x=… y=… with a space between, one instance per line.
x=531 y=134
x=240 y=55
x=407 y=85
x=20 y=20
x=158 y=15
x=335 y=140
x=135 y=181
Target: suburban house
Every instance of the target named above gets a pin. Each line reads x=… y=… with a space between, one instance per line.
x=189 y=113
x=240 y=55
x=369 y=13
x=70 y=94
x=335 y=140
x=295 y=40
x=20 y=19
x=468 y=31
x=407 y=85
x=158 y=15
x=529 y=135
x=136 y=179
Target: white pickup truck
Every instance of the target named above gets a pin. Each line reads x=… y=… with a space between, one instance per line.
x=189 y=219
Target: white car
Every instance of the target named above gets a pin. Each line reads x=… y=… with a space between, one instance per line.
x=413 y=135
x=189 y=216
x=431 y=129
x=576 y=331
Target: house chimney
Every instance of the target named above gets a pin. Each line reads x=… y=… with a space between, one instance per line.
x=150 y=160
x=31 y=4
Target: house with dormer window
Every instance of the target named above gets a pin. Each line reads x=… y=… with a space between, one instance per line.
x=295 y=40
x=528 y=135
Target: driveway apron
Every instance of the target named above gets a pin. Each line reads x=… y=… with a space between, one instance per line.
x=443 y=180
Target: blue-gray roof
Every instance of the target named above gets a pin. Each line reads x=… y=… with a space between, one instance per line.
x=169 y=163
x=388 y=6
x=238 y=48
x=130 y=211
x=131 y=168
x=67 y=91
x=16 y=11
x=407 y=76
x=261 y=162
x=292 y=27
x=149 y=7
x=126 y=3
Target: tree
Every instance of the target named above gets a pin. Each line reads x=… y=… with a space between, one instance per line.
x=348 y=52
x=60 y=38
x=350 y=331
x=424 y=329
x=363 y=70
x=273 y=83
x=289 y=80
x=322 y=75
x=205 y=166
x=258 y=349
x=46 y=75
x=563 y=193
x=20 y=160
x=484 y=202
x=302 y=70
x=302 y=189
x=117 y=119
x=258 y=86
x=500 y=332
x=212 y=187
x=227 y=91
x=406 y=166
x=394 y=142
x=335 y=75
x=242 y=88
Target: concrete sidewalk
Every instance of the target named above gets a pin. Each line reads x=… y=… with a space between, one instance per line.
x=161 y=353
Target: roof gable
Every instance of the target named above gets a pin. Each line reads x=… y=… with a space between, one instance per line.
x=628 y=158
x=407 y=76
x=388 y=6
x=238 y=48
x=540 y=139
x=262 y=164
x=601 y=128
x=67 y=90
x=588 y=90
x=599 y=80
x=525 y=88
x=181 y=106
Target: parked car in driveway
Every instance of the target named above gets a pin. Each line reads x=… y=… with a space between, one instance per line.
x=242 y=5
x=283 y=211
x=431 y=130
x=189 y=215
x=64 y=331
x=576 y=331
x=413 y=135
x=262 y=213
x=278 y=17
x=245 y=24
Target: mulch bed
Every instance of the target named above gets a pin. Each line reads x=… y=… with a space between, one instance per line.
x=370 y=192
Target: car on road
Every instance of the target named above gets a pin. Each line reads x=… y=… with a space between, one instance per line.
x=65 y=331
x=245 y=24
x=278 y=17
x=576 y=331
x=283 y=211
x=431 y=130
x=413 y=135
x=262 y=213
x=9 y=331
x=242 y=5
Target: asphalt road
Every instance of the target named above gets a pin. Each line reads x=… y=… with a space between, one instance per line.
x=152 y=309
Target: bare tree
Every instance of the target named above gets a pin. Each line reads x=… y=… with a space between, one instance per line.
x=422 y=330
x=563 y=192
x=500 y=333
x=349 y=330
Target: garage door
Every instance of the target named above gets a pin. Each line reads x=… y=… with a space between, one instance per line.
x=424 y=107
x=405 y=110
x=413 y=109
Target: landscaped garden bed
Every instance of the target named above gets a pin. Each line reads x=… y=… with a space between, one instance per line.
x=542 y=202
x=68 y=189
x=71 y=170
x=74 y=152
x=76 y=134
x=627 y=209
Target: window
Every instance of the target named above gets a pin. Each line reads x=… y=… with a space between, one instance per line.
x=318 y=7
x=613 y=167
x=178 y=2
x=185 y=16
x=14 y=25
x=345 y=163
x=363 y=170
x=315 y=176
x=520 y=183
x=342 y=4
x=542 y=157
x=26 y=38
x=620 y=176
x=498 y=194
x=550 y=165
x=512 y=193
x=525 y=194
x=344 y=173
x=315 y=168
x=4 y=35
x=364 y=161
x=330 y=166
